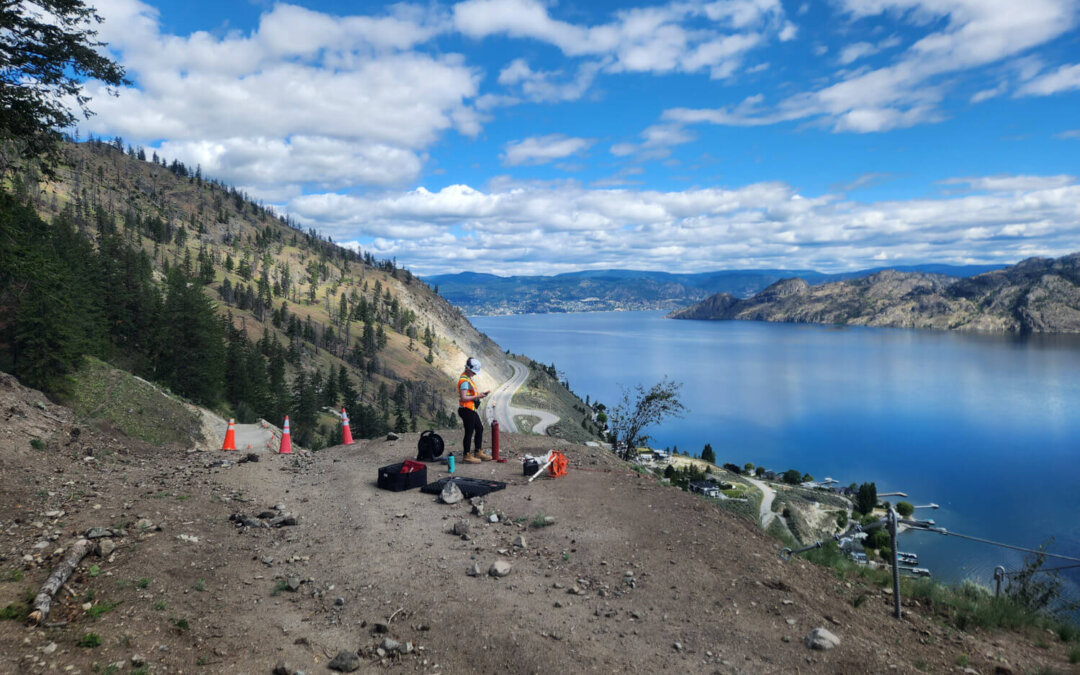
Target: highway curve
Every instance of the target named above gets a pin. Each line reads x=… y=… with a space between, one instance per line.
x=499 y=406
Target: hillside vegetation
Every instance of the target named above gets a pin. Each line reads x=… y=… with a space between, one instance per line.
x=1038 y=295
x=189 y=283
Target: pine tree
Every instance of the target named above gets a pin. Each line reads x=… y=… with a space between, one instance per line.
x=193 y=354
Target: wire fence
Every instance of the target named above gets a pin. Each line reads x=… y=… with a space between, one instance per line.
x=892 y=521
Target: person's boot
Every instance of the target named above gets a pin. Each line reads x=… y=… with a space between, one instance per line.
x=470 y=459
x=482 y=456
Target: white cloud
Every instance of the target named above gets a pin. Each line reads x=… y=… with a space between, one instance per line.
x=962 y=35
x=543 y=149
x=1009 y=183
x=1065 y=78
x=546 y=228
x=545 y=86
x=657 y=39
x=656 y=143
x=306 y=97
x=1068 y=134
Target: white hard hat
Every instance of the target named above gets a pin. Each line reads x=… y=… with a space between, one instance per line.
x=473 y=364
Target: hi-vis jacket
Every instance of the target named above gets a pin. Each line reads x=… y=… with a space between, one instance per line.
x=466 y=386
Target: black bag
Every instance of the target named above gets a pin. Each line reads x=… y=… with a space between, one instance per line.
x=392 y=477
x=470 y=487
x=429 y=447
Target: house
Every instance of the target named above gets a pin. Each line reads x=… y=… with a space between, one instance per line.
x=705 y=487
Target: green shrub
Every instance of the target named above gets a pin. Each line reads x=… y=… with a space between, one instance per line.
x=181 y=624
x=1074 y=655
x=143 y=583
x=160 y=605
x=90 y=640
x=905 y=509
x=37 y=444
x=94 y=570
x=101 y=608
x=16 y=611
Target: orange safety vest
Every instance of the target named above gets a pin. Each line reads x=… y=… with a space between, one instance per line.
x=465 y=379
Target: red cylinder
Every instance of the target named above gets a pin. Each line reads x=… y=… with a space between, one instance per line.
x=495 y=440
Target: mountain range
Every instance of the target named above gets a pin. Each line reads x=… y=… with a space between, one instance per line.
x=619 y=289
x=1037 y=295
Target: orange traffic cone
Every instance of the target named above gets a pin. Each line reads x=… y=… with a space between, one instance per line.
x=346 y=435
x=286 y=439
x=230 y=438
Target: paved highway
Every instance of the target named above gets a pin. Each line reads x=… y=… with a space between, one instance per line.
x=498 y=404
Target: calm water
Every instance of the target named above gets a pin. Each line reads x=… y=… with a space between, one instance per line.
x=985 y=426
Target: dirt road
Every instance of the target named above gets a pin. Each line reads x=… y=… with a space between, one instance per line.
x=500 y=407
x=767 y=496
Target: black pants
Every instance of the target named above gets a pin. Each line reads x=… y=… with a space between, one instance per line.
x=474 y=429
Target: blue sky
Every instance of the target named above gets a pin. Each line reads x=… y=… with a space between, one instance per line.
x=521 y=136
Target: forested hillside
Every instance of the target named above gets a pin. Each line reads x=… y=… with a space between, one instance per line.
x=188 y=282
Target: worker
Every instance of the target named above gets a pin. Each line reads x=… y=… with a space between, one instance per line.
x=468 y=399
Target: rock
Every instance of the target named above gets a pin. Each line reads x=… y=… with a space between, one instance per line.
x=49 y=649
x=380 y=627
x=144 y=524
x=345 y=662
x=392 y=436
x=250 y=457
x=105 y=547
x=340 y=602
x=549 y=520
x=477 y=505
x=282 y=668
x=821 y=639
x=499 y=568
x=407 y=648
x=293 y=583
x=451 y=493
x=519 y=542
x=473 y=571
x=390 y=644
x=282 y=520
x=677 y=646
x=461 y=527
x=268 y=560
x=137 y=660
x=97 y=533
x=267 y=515
x=493 y=518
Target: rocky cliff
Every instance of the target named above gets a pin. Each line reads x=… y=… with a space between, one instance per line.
x=1037 y=295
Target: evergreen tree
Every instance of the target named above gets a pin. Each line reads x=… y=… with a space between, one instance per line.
x=193 y=352
x=708 y=455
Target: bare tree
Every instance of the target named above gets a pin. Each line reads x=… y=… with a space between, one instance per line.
x=640 y=409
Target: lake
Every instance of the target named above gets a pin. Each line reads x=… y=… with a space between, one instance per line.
x=988 y=427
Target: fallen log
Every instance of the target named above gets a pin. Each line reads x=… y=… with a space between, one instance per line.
x=59 y=576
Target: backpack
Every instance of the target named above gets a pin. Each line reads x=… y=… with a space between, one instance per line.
x=429 y=447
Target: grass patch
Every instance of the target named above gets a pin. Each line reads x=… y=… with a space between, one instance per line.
x=94 y=570
x=143 y=583
x=14 y=574
x=183 y=497
x=90 y=641
x=181 y=624
x=102 y=608
x=160 y=605
x=540 y=521
x=1074 y=655
x=37 y=444
x=200 y=585
x=280 y=586
x=16 y=611
x=963 y=661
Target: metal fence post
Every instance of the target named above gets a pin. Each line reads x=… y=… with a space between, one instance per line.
x=999 y=574
x=895 y=565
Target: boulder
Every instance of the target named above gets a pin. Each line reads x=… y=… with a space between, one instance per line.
x=499 y=568
x=451 y=493
x=345 y=662
x=105 y=547
x=821 y=639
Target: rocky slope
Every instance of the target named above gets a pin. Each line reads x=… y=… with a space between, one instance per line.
x=1038 y=295
x=609 y=570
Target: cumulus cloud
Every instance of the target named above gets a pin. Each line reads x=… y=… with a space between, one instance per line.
x=961 y=36
x=657 y=141
x=678 y=37
x=517 y=228
x=306 y=97
x=543 y=149
x=547 y=86
x=1065 y=78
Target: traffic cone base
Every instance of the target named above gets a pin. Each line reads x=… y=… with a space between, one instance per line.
x=230 y=437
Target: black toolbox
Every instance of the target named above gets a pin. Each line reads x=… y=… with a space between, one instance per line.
x=392 y=477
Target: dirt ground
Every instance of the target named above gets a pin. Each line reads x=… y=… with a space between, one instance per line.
x=630 y=576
